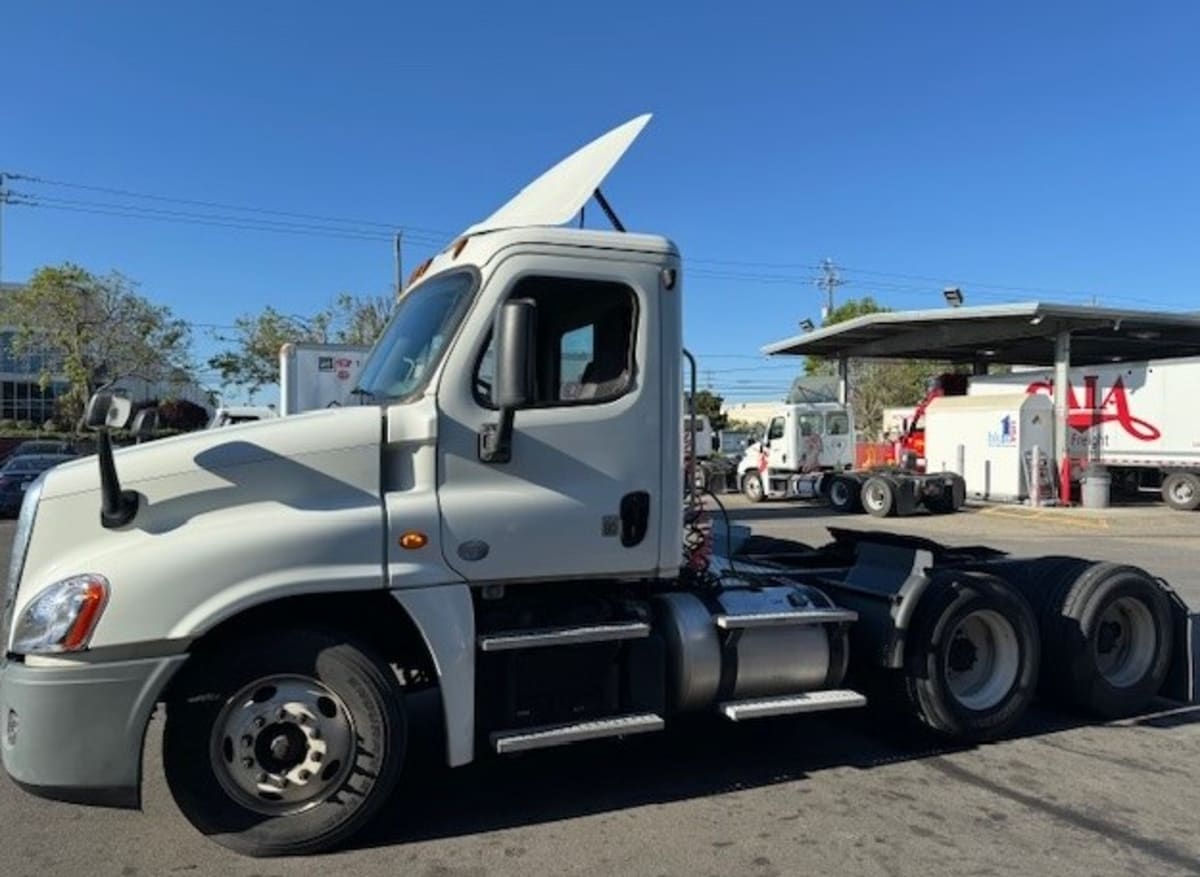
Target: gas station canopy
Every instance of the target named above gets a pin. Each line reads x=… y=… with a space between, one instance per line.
x=1023 y=333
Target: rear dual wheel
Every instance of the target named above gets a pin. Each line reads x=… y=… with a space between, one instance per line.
x=1181 y=491
x=972 y=659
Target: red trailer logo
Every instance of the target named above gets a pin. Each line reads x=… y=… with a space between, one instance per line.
x=1113 y=407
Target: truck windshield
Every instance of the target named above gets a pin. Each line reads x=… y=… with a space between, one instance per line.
x=412 y=342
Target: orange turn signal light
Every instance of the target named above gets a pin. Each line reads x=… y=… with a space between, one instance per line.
x=412 y=540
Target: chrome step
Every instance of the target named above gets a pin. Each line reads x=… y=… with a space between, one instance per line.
x=773 y=619
x=575 y=732
x=811 y=702
x=563 y=636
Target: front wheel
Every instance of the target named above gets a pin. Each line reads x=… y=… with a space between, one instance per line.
x=287 y=746
x=752 y=487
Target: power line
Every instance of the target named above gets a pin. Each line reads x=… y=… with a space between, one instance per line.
x=128 y=193
x=143 y=214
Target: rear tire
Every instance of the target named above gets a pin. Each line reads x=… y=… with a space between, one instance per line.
x=284 y=748
x=1181 y=491
x=879 y=497
x=1108 y=641
x=843 y=494
x=971 y=659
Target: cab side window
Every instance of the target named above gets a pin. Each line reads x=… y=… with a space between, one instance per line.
x=586 y=333
x=775 y=430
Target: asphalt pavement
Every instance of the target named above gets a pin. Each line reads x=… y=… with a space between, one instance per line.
x=830 y=794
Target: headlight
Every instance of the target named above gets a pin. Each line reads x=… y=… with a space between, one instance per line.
x=62 y=617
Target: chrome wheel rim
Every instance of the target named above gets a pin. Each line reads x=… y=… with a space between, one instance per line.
x=1125 y=642
x=983 y=660
x=753 y=487
x=875 y=496
x=282 y=745
x=1183 y=491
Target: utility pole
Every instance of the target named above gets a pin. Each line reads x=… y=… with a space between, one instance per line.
x=397 y=241
x=829 y=280
x=3 y=201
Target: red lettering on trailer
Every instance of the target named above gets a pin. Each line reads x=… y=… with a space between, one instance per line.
x=1113 y=407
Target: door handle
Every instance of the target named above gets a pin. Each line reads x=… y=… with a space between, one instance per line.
x=635 y=517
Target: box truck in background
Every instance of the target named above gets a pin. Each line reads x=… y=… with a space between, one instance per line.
x=313 y=376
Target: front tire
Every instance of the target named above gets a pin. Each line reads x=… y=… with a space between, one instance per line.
x=286 y=746
x=752 y=487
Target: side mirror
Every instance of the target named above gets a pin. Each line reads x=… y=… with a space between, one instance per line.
x=107 y=411
x=515 y=329
x=515 y=333
x=144 y=423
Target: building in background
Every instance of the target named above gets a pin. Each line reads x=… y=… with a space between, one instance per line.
x=23 y=399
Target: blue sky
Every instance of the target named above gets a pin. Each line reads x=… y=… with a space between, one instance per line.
x=1022 y=150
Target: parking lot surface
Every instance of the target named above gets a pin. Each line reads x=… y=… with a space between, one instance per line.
x=817 y=795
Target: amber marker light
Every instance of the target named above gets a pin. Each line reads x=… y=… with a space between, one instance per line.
x=413 y=539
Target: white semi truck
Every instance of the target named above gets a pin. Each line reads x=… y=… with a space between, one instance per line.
x=808 y=453
x=286 y=588
x=1136 y=419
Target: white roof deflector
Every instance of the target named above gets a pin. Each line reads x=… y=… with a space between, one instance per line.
x=560 y=193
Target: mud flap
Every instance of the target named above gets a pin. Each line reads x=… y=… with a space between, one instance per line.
x=1183 y=679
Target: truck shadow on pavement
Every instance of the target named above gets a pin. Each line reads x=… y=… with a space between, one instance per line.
x=695 y=757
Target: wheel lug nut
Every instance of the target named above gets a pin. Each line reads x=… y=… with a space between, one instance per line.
x=283 y=713
x=247 y=762
x=283 y=782
x=303 y=775
x=247 y=740
x=303 y=718
x=261 y=778
x=316 y=757
x=259 y=721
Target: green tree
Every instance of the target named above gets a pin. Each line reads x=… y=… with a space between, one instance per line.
x=253 y=360
x=91 y=331
x=709 y=404
x=875 y=384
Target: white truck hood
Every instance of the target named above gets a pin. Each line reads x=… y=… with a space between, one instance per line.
x=221 y=449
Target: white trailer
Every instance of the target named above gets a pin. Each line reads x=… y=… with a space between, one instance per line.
x=313 y=376
x=1135 y=419
x=994 y=441
x=513 y=546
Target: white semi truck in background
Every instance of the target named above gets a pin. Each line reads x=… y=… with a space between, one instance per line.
x=477 y=530
x=808 y=453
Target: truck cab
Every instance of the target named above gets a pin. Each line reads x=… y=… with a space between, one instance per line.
x=802 y=443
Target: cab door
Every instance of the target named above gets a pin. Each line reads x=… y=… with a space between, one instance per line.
x=837 y=450
x=777 y=444
x=580 y=493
